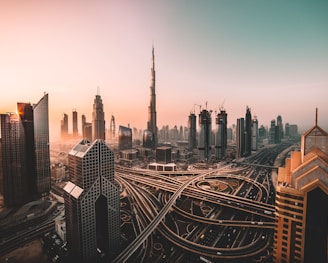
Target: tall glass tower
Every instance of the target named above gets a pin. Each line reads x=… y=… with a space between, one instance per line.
x=98 y=119
x=221 y=139
x=205 y=135
x=41 y=145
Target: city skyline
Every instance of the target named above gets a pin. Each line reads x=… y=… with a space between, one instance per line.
x=270 y=57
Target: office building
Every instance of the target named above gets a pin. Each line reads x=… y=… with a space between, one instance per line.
x=152 y=121
x=124 y=138
x=272 y=132
x=64 y=126
x=98 y=119
x=205 y=136
x=163 y=154
x=240 y=138
x=255 y=133
x=25 y=154
x=75 y=123
x=192 y=138
x=92 y=202
x=112 y=128
x=86 y=128
x=301 y=202
x=41 y=145
x=221 y=140
x=248 y=132
x=279 y=129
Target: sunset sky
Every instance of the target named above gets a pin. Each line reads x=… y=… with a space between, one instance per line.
x=269 y=55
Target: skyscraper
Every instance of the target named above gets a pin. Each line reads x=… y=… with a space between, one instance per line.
x=75 y=129
x=301 y=229
x=25 y=152
x=240 y=138
x=14 y=165
x=248 y=132
x=152 y=122
x=221 y=140
x=205 y=135
x=98 y=119
x=279 y=129
x=41 y=145
x=92 y=202
x=255 y=133
x=192 y=139
x=124 y=138
x=64 y=126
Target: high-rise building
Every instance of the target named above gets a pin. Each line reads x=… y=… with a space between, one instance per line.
x=240 y=138
x=255 y=133
x=272 y=132
x=152 y=122
x=75 y=123
x=248 y=132
x=92 y=202
x=205 y=135
x=124 y=138
x=98 y=119
x=86 y=128
x=25 y=153
x=14 y=165
x=287 y=132
x=279 y=129
x=112 y=128
x=192 y=139
x=64 y=126
x=301 y=229
x=221 y=140
x=41 y=145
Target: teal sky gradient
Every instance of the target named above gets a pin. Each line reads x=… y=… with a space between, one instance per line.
x=269 y=55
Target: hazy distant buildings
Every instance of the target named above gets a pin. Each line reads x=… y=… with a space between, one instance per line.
x=221 y=140
x=98 y=119
x=86 y=128
x=272 y=132
x=112 y=128
x=25 y=154
x=205 y=136
x=301 y=202
x=124 y=138
x=75 y=123
x=92 y=202
x=152 y=122
x=64 y=126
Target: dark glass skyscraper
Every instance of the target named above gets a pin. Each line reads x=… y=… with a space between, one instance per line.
x=98 y=119
x=92 y=202
x=192 y=139
x=152 y=122
x=41 y=145
x=25 y=152
x=240 y=138
x=124 y=138
x=248 y=132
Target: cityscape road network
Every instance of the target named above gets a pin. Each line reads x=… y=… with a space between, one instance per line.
x=222 y=214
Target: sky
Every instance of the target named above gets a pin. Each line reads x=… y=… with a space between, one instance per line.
x=271 y=56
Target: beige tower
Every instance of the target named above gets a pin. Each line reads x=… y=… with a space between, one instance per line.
x=301 y=232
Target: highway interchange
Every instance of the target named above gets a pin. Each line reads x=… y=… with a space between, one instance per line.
x=224 y=214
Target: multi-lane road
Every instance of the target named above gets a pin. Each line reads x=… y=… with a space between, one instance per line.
x=238 y=221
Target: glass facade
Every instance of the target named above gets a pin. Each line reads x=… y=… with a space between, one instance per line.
x=124 y=138
x=41 y=145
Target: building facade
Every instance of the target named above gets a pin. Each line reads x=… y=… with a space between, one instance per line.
x=124 y=138
x=75 y=124
x=92 y=202
x=301 y=229
x=64 y=126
